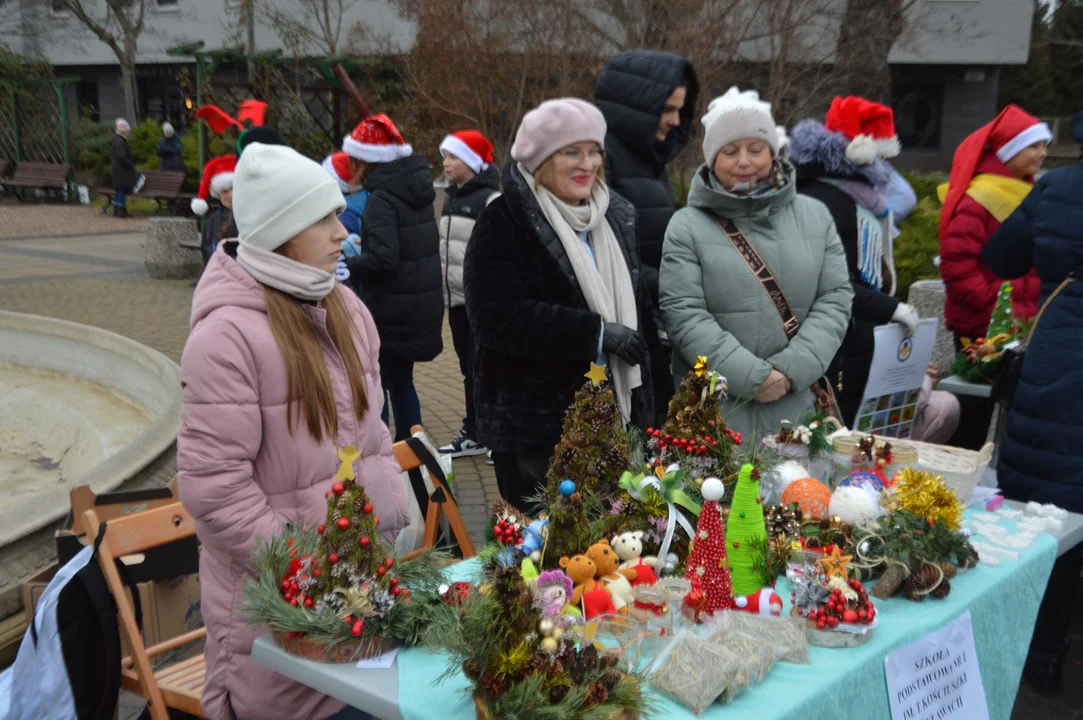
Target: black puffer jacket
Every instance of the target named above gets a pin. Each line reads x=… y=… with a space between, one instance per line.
x=536 y=336
x=631 y=92
x=397 y=273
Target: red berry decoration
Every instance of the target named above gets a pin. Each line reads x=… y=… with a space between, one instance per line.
x=394 y=582
x=396 y=591
x=338 y=488
x=389 y=562
x=376 y=521
x=309 y=602
x=849 y=616
x=368 y=508
x=381 y=571
x=332 y=558
x=357 y=628
x=343 y=523
x=320 y=528
x=317 y=572
x=364 y=541
x=327 y=495
x=293 y=601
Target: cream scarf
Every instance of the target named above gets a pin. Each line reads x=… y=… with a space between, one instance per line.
x=291 y=277
x=606 y=286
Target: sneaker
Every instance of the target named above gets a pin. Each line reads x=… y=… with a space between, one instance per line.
x=489 y=458
x=463 y=446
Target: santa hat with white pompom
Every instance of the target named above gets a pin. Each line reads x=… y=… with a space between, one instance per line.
x=869 y=126
x=217 y=177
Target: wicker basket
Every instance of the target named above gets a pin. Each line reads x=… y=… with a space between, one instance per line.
x=351 y=651
x=481 y=710
x=961 y=469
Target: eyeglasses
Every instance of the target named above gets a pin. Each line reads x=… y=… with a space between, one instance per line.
x=595 y=156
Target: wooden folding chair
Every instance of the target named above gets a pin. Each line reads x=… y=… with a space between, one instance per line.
x=440 y=500
x=176 y=686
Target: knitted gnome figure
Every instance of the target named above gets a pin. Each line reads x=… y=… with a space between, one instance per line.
x=376 y=140
x=217 y=177
x=471 y=147
x=708 y=564
x=745 y=530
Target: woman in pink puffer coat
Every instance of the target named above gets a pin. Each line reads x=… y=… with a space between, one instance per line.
x=280 y=371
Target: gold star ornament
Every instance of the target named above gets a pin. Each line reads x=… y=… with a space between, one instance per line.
x=834 y=565
x=701 y=368
x=596 y=375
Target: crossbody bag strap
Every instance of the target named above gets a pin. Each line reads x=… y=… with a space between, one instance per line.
x=790 y=323
x=1065 y=283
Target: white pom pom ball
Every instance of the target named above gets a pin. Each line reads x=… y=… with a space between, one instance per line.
x=713 y=489
x=853 y=505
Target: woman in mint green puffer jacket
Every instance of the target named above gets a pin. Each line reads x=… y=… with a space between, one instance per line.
x=714 y=305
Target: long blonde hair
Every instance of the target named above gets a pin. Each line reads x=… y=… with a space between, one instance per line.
x=308 y=385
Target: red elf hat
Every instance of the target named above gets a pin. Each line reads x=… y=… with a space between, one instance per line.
x=868 y=125
x=1013 y=130
x=471 y=147
x=217 y=176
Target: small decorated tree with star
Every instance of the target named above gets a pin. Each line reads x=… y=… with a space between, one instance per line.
x=694 y=435
x=746 y=533
x=1002 y=321
x=335 y=593
x=593 y=447
x=708 y=563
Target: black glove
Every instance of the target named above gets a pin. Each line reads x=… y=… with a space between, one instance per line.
x=625 y=343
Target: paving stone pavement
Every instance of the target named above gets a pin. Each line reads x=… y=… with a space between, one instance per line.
x=100 y=280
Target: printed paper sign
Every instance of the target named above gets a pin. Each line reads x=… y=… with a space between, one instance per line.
x=937 y=677
x=899 y=363
x=380 y=662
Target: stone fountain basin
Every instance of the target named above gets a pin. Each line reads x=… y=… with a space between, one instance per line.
x=78 y=406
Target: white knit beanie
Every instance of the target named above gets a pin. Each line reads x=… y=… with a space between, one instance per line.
x=277 y=193
x=736 y=116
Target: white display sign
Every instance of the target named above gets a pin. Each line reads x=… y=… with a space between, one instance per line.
x=899 y=364
x=937 y=677
x=380 y=662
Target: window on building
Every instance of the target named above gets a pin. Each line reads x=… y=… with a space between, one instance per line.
x=86 y=98
x=919 y=107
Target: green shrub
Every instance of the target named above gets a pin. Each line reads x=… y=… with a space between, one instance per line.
x=918 y=244
x=143 y=141
x=90 y=148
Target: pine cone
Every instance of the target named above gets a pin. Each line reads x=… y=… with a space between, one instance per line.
x=538 y=664
x=921 y=581
x=471 y=671
x=949 y=570
x=597 y=695
x=941 y=591
x=492 y=686
x=611 y=677
x=557 y=693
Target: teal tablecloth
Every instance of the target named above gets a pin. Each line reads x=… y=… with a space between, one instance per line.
x=839 y=683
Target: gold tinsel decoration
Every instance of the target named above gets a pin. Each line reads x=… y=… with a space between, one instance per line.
x=508 y=664
x=926 y=495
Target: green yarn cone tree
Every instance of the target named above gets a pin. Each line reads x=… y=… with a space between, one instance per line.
x=745 y=531
x=1002 y=320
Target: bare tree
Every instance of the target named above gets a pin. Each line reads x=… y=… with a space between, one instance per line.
x=119 y=26
x=306 y=26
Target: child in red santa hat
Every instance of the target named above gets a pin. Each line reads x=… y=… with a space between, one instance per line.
x=217 y=183
x=474 y=183
x=992 y=172
x=397 y=274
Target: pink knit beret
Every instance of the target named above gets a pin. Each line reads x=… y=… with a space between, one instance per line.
x=553 y=125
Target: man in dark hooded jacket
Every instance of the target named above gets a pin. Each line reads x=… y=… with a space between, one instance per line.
x=649 y=102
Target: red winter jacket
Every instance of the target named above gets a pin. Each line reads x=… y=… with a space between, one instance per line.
x=971 y=287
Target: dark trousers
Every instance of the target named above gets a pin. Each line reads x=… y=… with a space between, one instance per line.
x=397 y=377
x=120 y=196
x=463 y=339
x=975 y=415
x=520 y=475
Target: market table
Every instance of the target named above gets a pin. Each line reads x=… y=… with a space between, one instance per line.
x=1003 y=601
x=957 y=386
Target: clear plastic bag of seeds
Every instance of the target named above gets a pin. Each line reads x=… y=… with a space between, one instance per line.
x=786 y=636
x=696 y=672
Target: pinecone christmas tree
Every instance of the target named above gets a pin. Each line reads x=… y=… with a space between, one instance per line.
x=746 y=533
x=707 y=561
x=1002 y=321
x=593 y=447
x=569 y=526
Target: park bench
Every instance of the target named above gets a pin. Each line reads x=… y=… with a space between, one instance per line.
x=162 y=186
x=39 y=176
